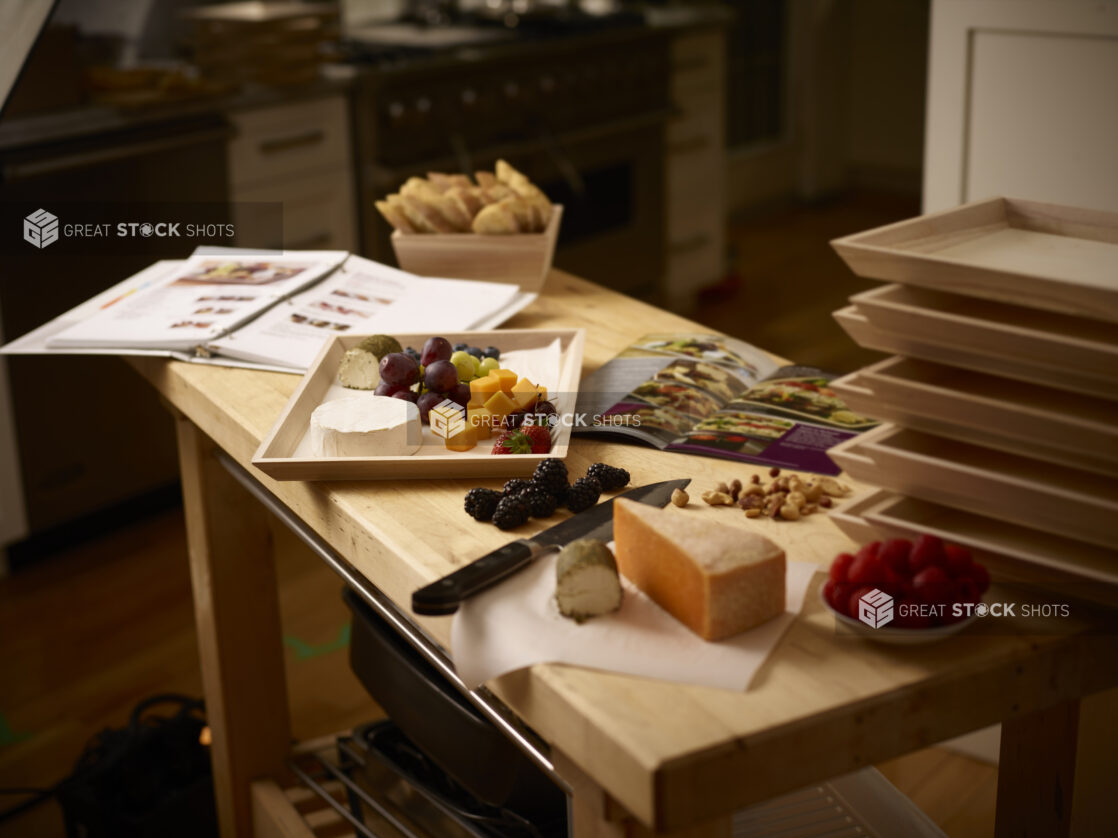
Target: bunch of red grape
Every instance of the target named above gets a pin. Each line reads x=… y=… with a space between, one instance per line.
x=928 y=572
x=436 y=376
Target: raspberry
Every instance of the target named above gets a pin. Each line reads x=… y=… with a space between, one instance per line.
x=840 y=567
x=926 y=552
x=481 y=503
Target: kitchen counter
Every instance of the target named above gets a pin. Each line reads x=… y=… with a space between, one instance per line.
x=642 y=756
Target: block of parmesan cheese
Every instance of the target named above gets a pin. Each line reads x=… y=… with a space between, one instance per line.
x=715 y=578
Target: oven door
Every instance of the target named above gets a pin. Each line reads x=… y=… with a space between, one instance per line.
x=609 y=178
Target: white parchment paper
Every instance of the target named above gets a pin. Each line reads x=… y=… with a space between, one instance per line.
x=517 y=624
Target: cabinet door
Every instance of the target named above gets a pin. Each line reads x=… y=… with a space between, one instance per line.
x=1022 y=102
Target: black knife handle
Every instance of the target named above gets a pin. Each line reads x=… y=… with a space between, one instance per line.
x=443 y=597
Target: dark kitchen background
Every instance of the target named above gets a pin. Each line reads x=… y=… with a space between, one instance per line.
x=675 y=134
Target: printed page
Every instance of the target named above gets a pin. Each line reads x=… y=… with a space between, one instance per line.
x=206 y=297
x=363 y=297
x=789 y=419
x=663 y=385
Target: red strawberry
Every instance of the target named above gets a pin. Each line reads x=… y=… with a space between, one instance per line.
x=841 y=566
x=866 y=570
x=958 y=561
x=981 y=577
x=927 y=552
x=933 y=585
x=539 y=436
x=529 y=439
x=894 y=555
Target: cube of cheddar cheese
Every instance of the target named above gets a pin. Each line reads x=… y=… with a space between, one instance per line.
x=485 y=386
x=481 y=420
x=524 y=393
x=464 y=440
x=499 y=404
x=507 y=379
x=715 y=578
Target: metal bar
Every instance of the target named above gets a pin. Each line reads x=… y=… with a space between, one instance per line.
x=313 y=785
x=488 y=704
x=365 y=797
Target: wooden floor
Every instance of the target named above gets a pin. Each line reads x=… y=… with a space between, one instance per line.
x=88 y=633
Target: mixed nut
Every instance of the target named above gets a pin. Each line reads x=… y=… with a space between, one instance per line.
x=785 y=497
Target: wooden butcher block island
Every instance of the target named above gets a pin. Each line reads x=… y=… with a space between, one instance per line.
x=640 y=756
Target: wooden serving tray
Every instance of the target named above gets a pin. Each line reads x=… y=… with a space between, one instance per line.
x=1052 y=349
x=279 y=456
x=856 y=324
x=1044 y=496
x=1070 y=428
x=1012 y=553
x=1032 y=254
x=855 y=391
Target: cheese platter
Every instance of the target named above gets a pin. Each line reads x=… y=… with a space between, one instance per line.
x=391 y=442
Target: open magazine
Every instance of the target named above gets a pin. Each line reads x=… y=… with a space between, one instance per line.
x=274 y=311
x=719 y=397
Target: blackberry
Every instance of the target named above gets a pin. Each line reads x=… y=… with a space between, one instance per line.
x=511 y=512
x=516 y=486
x=551 y=474
x=583 y=494
x=610 y=477
x=541 y=503
x=480 y=503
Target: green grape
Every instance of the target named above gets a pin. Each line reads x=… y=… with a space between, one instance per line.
x=488 y=365
x=465 y=363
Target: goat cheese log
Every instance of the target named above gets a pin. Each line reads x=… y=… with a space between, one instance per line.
x=586 y=582
x=715 y=578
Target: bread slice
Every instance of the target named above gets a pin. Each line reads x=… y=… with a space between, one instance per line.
x=395 y=217
x=715 y=578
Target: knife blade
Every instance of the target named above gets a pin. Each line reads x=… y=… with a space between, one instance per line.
x=445 y=595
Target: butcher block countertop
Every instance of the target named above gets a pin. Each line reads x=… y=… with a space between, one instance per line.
x=672 y=756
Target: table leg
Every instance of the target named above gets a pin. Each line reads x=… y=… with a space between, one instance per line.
x=595 y=815
x=1057 y=771
x=236 y=612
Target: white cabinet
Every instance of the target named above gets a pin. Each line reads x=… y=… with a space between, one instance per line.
x=1023 y=101
x=298 y=154
x=695 y=174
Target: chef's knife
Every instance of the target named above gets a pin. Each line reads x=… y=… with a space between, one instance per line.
x=444 y=596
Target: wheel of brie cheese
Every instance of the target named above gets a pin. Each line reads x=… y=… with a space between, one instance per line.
x=365 y=426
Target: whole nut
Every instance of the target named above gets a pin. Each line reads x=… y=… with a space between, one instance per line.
x=826 y=502
x=790 y=511
x=735 y=489
x=755 y=489
x=797 y=498
x=717 y=498
x=755 y=479
x=723 y=488
x=810 y=509
x=774 y=471
x=751 y=501
x=680 y=497
x=833 y=487
x=813 y=490
x=753 y=513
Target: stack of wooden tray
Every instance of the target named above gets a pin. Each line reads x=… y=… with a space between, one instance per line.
x=1001 y=402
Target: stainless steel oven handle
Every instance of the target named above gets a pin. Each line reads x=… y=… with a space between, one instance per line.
x=488 y=704
x=68 y=162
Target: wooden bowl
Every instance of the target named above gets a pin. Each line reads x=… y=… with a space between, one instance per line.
x=522 y=259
